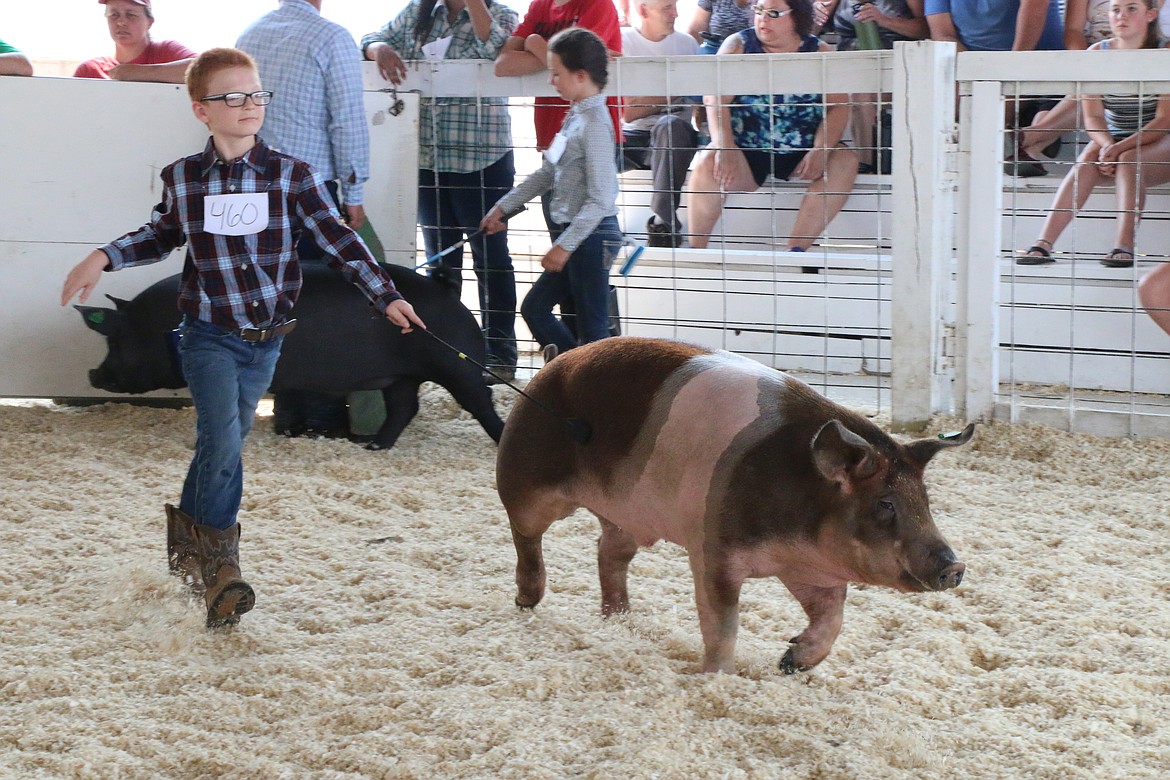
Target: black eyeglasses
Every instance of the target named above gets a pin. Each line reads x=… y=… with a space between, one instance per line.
x=236 y=99
x=759 y=10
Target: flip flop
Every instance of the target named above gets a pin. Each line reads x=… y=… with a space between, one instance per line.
x=1028 y=258
x=1118 y=258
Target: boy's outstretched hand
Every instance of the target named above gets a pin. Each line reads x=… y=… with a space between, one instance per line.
x=84 y=277
x=402 y=314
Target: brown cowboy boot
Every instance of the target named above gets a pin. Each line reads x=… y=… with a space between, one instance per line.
x=182 y=556
x=227 y=595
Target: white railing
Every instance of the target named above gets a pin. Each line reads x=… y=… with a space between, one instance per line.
x=933 y=302
x=1080 y=322
x=920 y=77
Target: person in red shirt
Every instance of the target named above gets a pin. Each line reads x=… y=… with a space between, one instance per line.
x=526 y=52
x=136 y=56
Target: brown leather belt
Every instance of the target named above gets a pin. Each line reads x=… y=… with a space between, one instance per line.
x=255 y=335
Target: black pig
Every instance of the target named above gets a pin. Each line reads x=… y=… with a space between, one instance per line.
x=340 y=345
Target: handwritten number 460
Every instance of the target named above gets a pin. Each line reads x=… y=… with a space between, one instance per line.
x=233 y=216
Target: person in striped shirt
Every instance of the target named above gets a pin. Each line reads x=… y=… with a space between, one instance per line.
x=240 y=281
x=1129 y=145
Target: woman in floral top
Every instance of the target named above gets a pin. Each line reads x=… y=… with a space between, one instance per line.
x=465 y=150
x=778 y=135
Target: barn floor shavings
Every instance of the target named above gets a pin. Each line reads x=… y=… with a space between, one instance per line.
x=384 y=643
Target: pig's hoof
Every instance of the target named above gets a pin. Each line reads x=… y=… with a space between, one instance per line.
x=524 y=606
x=374 y=446
x=788 y=663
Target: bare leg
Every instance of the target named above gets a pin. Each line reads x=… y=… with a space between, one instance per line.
x=1137 y=170
x=824 y=198
x=1154 y=292
x=1049 y=125
x=825 y=608
x=1078 y=184
x=705 y=200
x=615 y=550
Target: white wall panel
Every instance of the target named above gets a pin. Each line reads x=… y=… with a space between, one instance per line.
x=80 y=166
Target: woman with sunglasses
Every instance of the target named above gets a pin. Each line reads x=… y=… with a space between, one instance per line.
x=136 y=56
x=755 y=136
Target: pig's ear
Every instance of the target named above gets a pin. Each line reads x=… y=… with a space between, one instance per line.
x=119 y=304
x=104 y=321
x=922 y=450
x=841 y=455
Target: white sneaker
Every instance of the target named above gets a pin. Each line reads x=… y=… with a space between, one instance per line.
x=549 y=351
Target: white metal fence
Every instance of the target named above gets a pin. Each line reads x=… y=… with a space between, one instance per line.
x=909 y=302
x=1066 y=344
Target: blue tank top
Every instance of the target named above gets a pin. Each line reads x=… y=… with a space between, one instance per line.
x=782 y=123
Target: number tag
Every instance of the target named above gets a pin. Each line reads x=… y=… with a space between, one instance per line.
x=555 y=149
x=241 y=214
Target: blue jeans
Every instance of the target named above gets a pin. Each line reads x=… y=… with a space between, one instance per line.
x=451 y=205
x=226 y=376
x=585 y=281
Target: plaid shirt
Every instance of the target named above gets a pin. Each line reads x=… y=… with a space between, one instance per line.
x=247 y=281
x=318 y=111
x=457 y=135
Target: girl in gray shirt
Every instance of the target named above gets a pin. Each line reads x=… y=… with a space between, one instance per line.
x=580 y=168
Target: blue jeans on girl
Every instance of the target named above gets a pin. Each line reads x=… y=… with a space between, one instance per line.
x=585 y=281
x=227 y=377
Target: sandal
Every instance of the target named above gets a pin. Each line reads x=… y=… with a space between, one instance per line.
x=1037 y=255
x=1118 y=258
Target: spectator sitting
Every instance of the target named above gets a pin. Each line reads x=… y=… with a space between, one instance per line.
x=714 y=20
x=1128 y=144
x=780 y=135
x=136 y=56
x=996 y=25
x=657 y=130
x=13 y=62
x=1001 y=25
x=1085 y=22
x=896 y=20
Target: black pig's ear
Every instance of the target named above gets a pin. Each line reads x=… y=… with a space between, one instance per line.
x=841 y=455
x=118 y=302
x=922 y=450
x=105 y=321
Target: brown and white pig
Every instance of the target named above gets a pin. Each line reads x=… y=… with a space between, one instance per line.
x=749 y=469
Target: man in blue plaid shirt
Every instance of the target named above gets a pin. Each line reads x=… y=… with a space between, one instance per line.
x=315 y=67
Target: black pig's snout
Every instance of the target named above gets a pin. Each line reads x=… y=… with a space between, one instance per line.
x=951 y=576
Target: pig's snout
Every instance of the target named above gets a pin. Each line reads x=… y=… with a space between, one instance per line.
x=951 y=576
